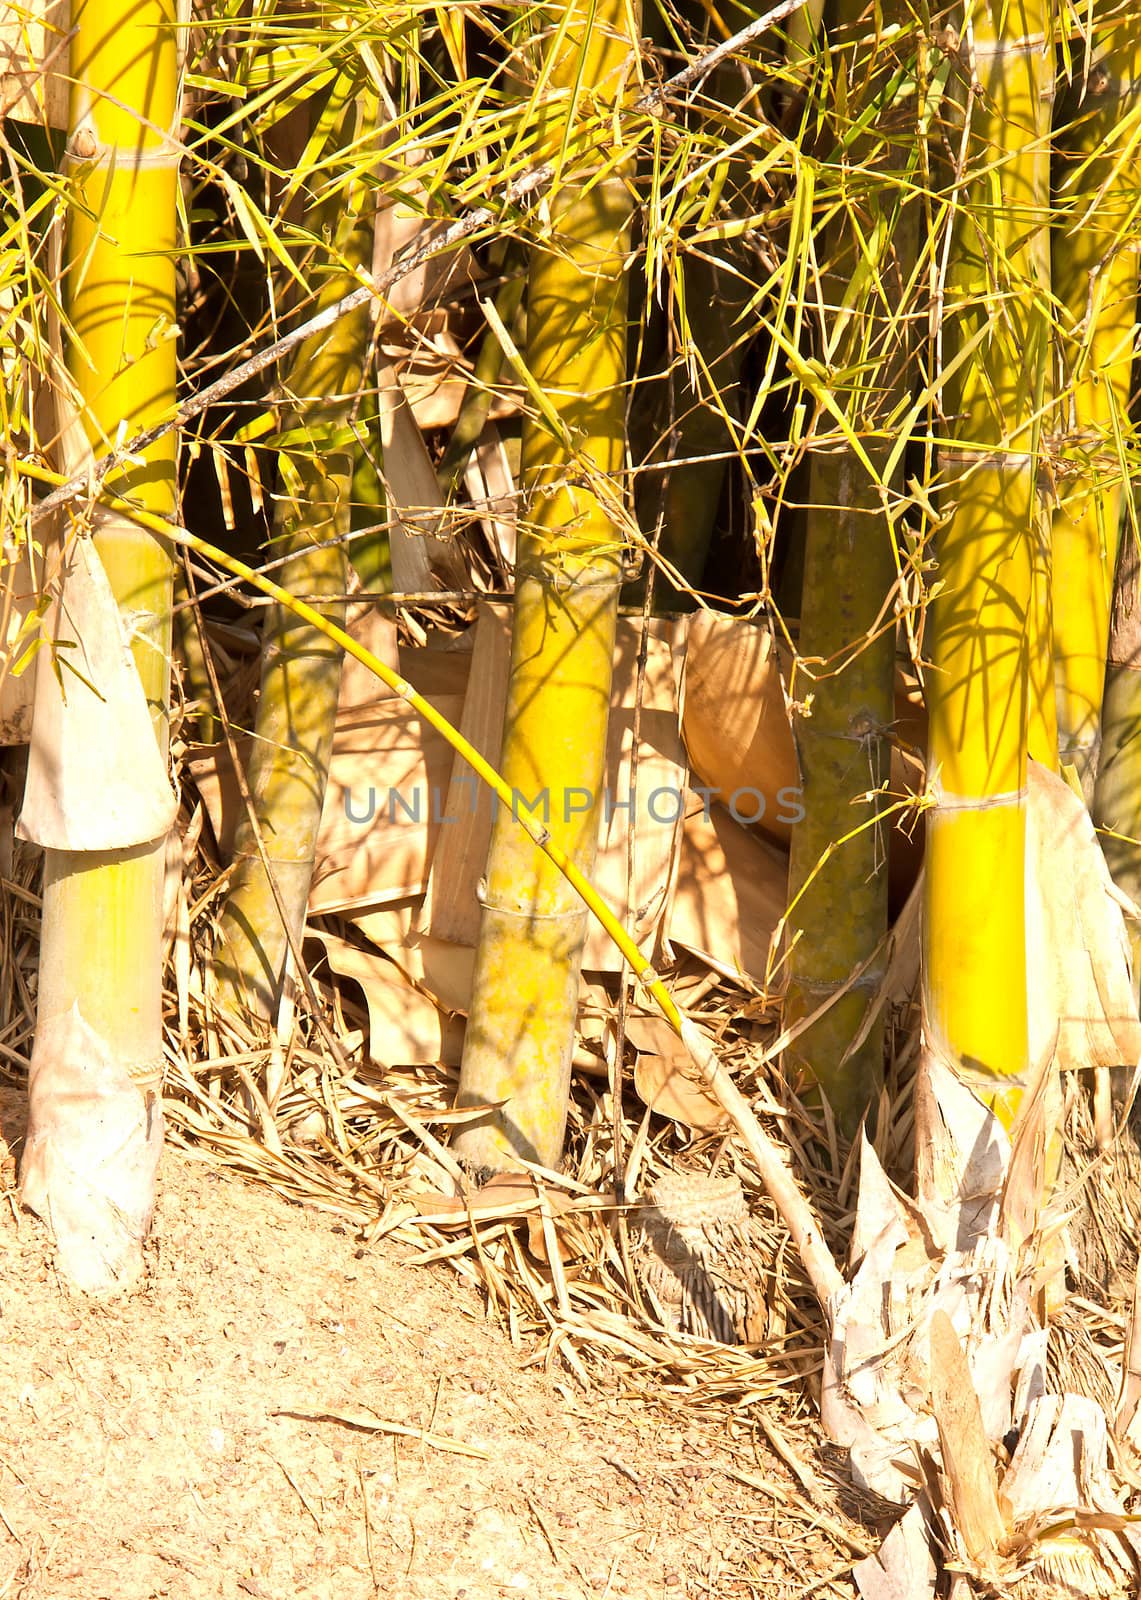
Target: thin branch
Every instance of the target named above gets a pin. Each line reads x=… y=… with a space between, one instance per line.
x=530 y=187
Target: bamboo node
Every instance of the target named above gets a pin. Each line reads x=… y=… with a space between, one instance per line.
x=995 y=460
x=989 y=49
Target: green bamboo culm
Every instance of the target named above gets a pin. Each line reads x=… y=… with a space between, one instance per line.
x=845 y=700
x=95 y=1125
x=301 y=669
x=520 y=1033
x=680 y=484
x=370 y=550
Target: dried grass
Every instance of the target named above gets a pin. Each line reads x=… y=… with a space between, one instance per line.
x=552 y=1252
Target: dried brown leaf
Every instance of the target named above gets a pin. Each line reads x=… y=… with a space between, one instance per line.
x=968 y=1465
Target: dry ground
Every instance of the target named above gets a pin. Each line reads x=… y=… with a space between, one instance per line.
x=282 y=1415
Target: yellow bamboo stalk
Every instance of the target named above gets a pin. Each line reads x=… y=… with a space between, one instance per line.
x=301 y=668
x=92 y=1152
x=839 y=848
x=1097 y=197
x=995 y=324
x=520 y=1033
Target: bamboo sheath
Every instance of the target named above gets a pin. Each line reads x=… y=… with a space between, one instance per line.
x=95 y=1123
x=520 y=1032
x=983 y=620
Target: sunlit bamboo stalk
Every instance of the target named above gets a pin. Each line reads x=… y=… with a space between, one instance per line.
x=1097 y=197
x=995 y=325
x=95 y=1119
x=520 y=1033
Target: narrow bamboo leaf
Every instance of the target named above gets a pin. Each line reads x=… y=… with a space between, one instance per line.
x=244 y=211
x=510 y=349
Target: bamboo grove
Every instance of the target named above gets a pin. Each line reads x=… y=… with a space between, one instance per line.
x=835 y=331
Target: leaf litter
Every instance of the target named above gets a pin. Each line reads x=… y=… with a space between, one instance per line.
x=567 y=1264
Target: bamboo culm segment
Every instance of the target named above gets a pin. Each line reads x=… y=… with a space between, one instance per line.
x=520 y=1033
x=301 y=667
x=983 y=621
x=95 y=1120
x=1095 y=279
x=839 y=848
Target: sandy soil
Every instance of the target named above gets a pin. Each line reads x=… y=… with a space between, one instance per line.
x=280 y=1414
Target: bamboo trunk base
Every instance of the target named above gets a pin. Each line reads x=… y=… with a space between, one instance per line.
x=95 y=1125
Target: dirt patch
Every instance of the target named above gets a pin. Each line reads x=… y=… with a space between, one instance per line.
x=279 y=1413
